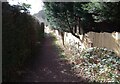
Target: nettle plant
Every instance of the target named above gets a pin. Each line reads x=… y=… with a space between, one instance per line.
x=100 y=64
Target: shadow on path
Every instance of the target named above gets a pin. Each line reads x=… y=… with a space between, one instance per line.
x=47 y=66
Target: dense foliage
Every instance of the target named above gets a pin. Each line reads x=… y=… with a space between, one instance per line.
x=23 y=7
x=20 y=32
x=99 y=64
x=83 y=16
x=95 y=64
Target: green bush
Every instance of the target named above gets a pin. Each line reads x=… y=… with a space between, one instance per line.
x=19 y=38
x=100 y=65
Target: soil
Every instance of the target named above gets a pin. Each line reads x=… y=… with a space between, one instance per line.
x=47 y=66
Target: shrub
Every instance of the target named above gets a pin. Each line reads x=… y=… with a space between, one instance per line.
x=100 y=65
x=19 y=38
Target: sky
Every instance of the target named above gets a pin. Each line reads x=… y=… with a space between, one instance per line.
x=36 y=5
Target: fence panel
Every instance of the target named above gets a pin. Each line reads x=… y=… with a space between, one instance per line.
x=105 y=40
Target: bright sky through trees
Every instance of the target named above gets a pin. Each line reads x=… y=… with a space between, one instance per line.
x=36 y=5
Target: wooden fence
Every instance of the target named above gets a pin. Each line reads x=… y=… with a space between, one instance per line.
x=107 y=40
x=92 y=39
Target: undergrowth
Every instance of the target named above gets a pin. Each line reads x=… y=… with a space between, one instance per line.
x=99 y=65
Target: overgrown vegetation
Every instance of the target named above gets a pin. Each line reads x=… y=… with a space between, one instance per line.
x=96 y=64
x=99 y=64
x=20 y=33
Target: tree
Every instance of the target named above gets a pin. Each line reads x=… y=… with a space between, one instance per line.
x=69 y=17
x=23 y=7
x=106 y=13
x=83 y=16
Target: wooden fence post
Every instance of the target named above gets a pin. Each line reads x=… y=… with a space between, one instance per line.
x=42 y=28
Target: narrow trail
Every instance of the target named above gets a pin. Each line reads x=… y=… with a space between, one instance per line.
x=47 y=65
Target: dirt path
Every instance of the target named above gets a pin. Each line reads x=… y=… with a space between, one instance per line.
x=47 y=65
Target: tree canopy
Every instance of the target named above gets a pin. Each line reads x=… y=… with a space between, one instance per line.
x=22 y=7
x=83 y=16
